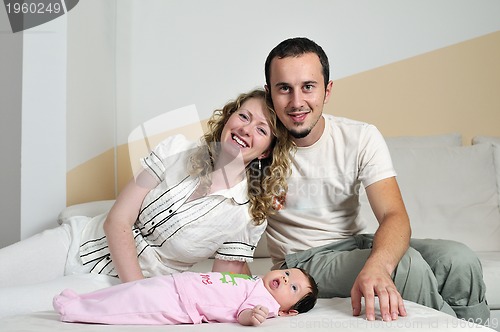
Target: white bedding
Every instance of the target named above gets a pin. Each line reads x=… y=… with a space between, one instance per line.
x=328 y=315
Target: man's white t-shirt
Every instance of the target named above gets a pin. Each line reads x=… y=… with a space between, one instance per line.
x=322 y=203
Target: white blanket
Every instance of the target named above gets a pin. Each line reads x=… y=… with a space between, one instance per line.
x=328 y=315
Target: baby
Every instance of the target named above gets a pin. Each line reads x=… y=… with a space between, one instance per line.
x=193 y=298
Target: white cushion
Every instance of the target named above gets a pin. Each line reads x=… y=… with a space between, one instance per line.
x=90 y=209
x=453 y=139
x=486 y=139
x=444 y=140
x=491 y=274
x=451 y=193
x=495 y=142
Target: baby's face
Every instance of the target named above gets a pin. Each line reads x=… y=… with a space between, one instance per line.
x=287 y=286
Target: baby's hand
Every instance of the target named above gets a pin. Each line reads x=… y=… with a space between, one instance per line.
x=259 y=314
x=253 y=317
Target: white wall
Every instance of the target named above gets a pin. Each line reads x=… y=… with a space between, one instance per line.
x=43 y=157
x=91 y=80
x=175 y=53
x=11 y=66
x=132 y=60
x=166 y=54
x=33 y=128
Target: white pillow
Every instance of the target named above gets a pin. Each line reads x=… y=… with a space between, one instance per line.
x=451 y=193
x=90 y=209
x=445 y=140
x=495 y=142
x=453 y=139
x=486 y=139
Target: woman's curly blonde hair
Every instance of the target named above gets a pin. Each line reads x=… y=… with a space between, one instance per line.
x=264 y=183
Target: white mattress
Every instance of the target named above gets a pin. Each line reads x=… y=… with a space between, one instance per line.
x=328 y=315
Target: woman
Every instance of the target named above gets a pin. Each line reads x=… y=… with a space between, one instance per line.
x=191 y=201
x=241 y=136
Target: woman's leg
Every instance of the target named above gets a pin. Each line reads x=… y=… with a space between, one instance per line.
x=20 y=300
x=32 y=271
x=39 y=258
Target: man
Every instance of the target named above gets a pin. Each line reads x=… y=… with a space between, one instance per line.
x=319 y=227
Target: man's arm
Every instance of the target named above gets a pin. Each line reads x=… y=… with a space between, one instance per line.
x=389 y=245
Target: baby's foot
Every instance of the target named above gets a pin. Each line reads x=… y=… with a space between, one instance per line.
x=62 y=299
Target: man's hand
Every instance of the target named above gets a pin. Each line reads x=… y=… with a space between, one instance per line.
x=253 y=317
x=372 y=282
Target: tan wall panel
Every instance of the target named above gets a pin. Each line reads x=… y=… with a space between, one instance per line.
x=94 y=180
x=124 y=166
x=91 y=181
x=454 y=89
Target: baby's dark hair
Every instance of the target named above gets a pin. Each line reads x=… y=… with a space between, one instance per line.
x=308 y=301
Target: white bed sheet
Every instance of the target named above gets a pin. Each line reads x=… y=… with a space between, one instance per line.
x=328 y=315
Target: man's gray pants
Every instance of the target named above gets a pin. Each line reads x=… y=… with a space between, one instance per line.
x=441 y=274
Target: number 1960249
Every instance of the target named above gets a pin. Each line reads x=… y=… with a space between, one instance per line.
x=33 y=8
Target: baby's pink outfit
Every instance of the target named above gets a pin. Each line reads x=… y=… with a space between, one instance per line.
x=179 y=298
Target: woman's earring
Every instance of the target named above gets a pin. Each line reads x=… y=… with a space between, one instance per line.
x=260 y=165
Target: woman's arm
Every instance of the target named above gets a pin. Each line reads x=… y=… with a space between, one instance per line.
x=231 y=266
x=118 y=227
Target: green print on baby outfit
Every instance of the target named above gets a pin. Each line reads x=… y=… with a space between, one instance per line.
x=234 y=276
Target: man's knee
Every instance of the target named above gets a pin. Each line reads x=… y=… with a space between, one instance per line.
x=416 y=282
x=413 y=262
x=460 y=254
x=413 y=271
x=454 y=257
x=457 y=270
x=446 y=254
